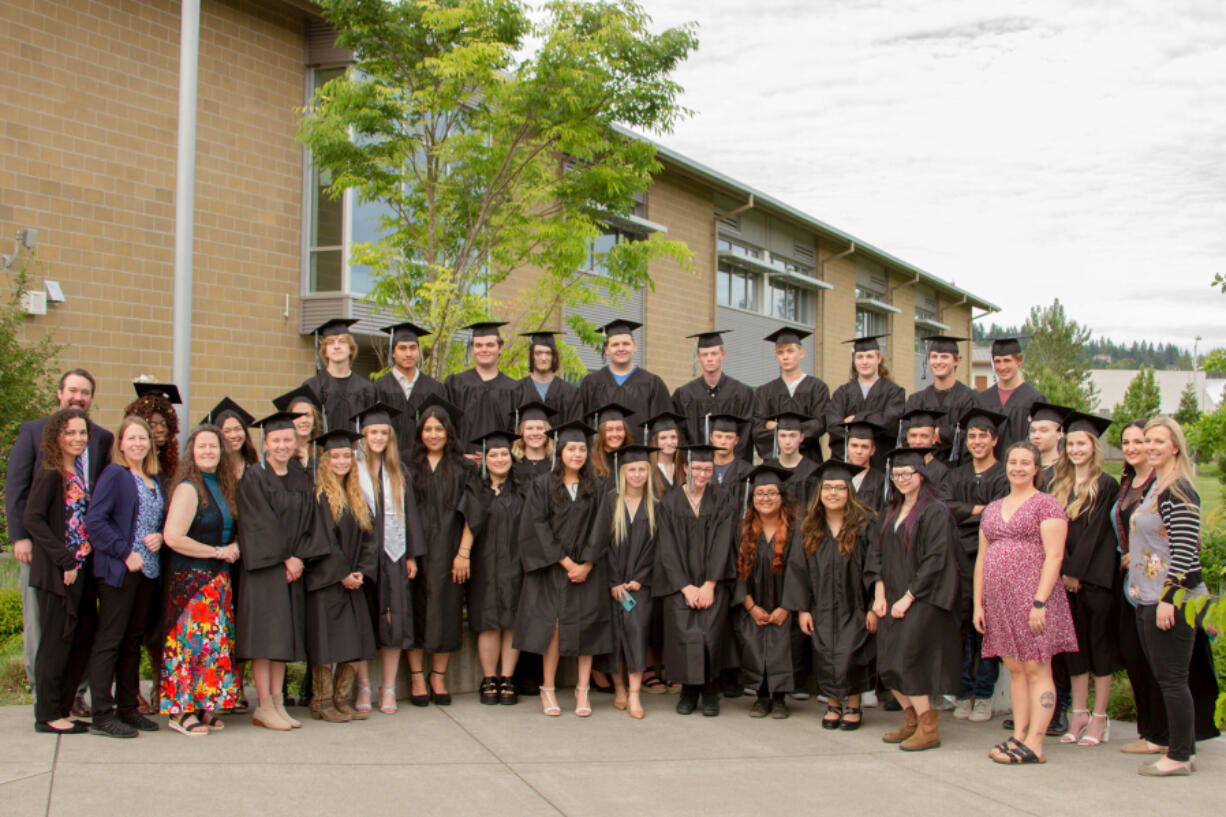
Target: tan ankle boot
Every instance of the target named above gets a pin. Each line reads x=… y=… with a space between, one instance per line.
x=910 y=722
x=346 y=676
x=322 y=708
x=927 y=736
x=279 y=703
x=265 y=715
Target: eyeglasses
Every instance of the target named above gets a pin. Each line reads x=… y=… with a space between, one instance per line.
x=900 y=474
x=835 y=487
x=765 y=494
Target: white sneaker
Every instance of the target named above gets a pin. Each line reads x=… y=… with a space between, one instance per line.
x=962 y=708
x=801 y=694
x=981 y=712
x=868 y=700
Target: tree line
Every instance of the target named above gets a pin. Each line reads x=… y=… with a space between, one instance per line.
x=1135 y=355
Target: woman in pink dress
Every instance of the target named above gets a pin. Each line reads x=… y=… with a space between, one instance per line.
x=1021 y=548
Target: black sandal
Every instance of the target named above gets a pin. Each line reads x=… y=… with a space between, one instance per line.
x=418 y=700
x=507 y=693
x=851 y=726
x=489 y=690
x=832 y=709
x=1018 y=754
x=652 y=682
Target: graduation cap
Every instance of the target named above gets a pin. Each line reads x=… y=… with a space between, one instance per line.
x=635 y=452
x=706 y=340
x=945 y=344
x=763 y=475
x=494 y=439
x=1049 y=412
x=167 y=391
x=278 y=421
x=482 y=329
x=664 y=421
x=218 y=413
x=790 y=421
x=724 y=422
x=534 y=410
x=610 y=411
x=1089 y=423
x=378 y=413
x=404 y=332
x=334 y=326
x=337 y=438
x=1008 y=346
x=908 y=458
x=540 y=338
x=435 y=406
x=921 y=417
x=983 y=419
x=787 y=334
x=302 y=394
x=832 y=470
x=868 y=343
x=619 y=326
x=856 y=429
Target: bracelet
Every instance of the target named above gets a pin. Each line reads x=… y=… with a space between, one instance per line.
x=463 y=555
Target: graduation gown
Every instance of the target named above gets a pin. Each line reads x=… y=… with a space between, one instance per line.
x=955 y=401
x=883 y=405
x=732 y=482
x=389 y=390
x=1017 y=413
x=832 y=588
x=276 y=518
x=561 y=396
x=548 y=531
x=338 y=628
x=920 y=653
x=694 y=549
x=451 y=500
x=497 y=575
x=801 y=486
x=629 y=561
x=1090 y=552
x=390 y=594
x=965 y=488
x=696 y=399
x=871 y=493
x=643 y=393
x=771 y=653
x=488 y=405
x=343 y=397
x=527 y=470
x=810 y=399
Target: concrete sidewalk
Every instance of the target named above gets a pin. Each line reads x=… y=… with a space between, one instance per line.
x=469 y=759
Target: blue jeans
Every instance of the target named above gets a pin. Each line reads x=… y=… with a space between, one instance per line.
x=977 y=681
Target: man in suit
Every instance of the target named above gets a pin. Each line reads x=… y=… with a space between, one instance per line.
x=76 y=390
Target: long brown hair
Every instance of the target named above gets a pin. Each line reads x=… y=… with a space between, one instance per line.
x=53 y=457
x=751 y=529
x=227 y=480
x=596 y=454
x=1077 y=498
x=347 y=496
x=855 y=517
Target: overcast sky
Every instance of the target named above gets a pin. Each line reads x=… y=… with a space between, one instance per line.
x=1020 y=150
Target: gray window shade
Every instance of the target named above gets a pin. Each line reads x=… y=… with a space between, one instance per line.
x=321 y=45
x=600 y=314
x=751 y=359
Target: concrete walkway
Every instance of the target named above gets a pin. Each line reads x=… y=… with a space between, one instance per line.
x=469 y=759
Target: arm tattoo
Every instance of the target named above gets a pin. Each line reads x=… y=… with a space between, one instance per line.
x=1048 y=700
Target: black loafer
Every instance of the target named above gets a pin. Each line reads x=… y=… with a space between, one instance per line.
x=687 y=703
x=77 y=728
x=138 y=722
x=710 y=704
x=112 y=728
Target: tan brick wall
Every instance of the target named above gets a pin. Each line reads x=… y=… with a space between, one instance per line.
x=87 y=157
x=840 y=313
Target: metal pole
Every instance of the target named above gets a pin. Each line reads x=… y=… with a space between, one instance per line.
x=185 y=194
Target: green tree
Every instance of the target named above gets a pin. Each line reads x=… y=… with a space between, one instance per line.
x=1056 y=360
x=1188 y=412
x=27 y=376
x=490 y=160
x=1141 y=402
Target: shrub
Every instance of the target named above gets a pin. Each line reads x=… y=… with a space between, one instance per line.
x=10 y=613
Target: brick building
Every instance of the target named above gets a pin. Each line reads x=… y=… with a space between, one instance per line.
x=88 y=159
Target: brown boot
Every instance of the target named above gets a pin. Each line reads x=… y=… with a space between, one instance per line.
x=928 y=736
x=322 y=708
x=346 y=675
x=910 y=722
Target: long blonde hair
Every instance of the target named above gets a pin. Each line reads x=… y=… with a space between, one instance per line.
x=1064 y=486
x=1184 y=476
x=390 y=462
x=620 y=532
x=342 y=497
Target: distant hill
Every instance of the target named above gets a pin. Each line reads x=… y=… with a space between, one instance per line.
x=1107 y=354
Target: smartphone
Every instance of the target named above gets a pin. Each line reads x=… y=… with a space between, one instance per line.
x=628 y=603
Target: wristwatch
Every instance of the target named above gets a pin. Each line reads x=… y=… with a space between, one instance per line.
x=1038 y=605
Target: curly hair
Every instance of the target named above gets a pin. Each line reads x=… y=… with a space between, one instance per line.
x=53 y=457
x=342 y=497
x=149 y=405
x=855 y=517
x=751 y=529
x=227 y=479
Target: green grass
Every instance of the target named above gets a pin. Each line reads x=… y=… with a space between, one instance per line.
x=1207 y=483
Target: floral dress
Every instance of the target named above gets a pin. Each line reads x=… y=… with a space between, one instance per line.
x=1011 y=569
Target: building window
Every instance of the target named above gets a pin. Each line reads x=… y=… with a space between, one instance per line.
x=605 y=242
x=326 y=241
x=869 y=322
x=737 y=288
x=736 y=248
x=789 y=303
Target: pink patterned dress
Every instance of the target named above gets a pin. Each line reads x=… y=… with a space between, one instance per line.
x=1011 y=569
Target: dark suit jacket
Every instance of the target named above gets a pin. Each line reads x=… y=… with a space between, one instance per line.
x=25 y=459
x=111 y=522
x=44 y=523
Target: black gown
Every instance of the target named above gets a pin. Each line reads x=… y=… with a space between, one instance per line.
x=772 y=399
x=642 y=392
x=1017 y=413
x=871 y=493
x=1090 y=556
x=801 y=486
x=276 y=517
x=451 y=500
x=548 y=531
x=338 y=628
x=497 y=574
x=390 y=595
x=771 y=653
x=696 y=399
x=883 y=405
x=732 y=484
x=343 y=397
x=694 y=549
x=527 y=470
x=488 y=405
x=388 y=390
x=630 y=561
x=561 y=396
x=955 y=401
x=833 y=589
x=921 y=653
x=964 y=489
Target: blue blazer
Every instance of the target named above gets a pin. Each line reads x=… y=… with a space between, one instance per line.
x=111 y=522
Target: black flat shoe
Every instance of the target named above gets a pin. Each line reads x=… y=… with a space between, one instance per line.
x=851 y=726
x=419 y=700
x=489 y=690
x=112 y=728
x=138 y=721
x=710 y=704
x=507 y=694
x=440 y=698
x=687 y=703
x=77 y=728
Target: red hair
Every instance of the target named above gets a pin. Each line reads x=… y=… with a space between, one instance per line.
x=751 y=529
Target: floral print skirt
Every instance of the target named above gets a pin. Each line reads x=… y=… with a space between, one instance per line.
x=196 y=661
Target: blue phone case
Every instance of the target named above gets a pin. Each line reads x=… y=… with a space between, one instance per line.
x=629 y=603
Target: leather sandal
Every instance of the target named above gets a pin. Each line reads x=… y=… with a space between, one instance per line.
x=851 y=726
x=489 y=690
x=832 y=709
x=415 y=699
x=508 y=695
